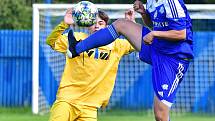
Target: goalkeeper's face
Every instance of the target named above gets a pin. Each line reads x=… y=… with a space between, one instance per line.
x=99 y=25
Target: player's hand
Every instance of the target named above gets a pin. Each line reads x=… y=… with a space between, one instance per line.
x=129 y=14
x=68 y=17
x=148 y=39
x=138 y=7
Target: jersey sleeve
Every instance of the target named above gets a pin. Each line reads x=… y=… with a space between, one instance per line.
x=175 y=14
x=57 y=40
x=124 y=47
x=61 y=44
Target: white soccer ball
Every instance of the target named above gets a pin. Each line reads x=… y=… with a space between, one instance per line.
x=84 y=13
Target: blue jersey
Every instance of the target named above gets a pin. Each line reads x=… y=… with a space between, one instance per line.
x=171 y=15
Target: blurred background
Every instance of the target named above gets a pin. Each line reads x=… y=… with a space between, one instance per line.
x=132 y=98
x=24 y=8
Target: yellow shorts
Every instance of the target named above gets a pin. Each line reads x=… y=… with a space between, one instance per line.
x=64 y=111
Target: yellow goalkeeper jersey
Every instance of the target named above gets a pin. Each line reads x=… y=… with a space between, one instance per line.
x=89 y=78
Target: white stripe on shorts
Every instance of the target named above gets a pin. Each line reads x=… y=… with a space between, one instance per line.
x=178 y=76
x=166 y=103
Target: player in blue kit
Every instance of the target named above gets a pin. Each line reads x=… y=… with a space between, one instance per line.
x=167 y=47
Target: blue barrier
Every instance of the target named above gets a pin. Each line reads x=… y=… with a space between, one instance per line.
x=15 y=67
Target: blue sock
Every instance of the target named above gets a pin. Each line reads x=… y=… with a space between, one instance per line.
x=100 y=38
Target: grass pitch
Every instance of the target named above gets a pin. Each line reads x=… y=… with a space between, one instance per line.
x=25 y=115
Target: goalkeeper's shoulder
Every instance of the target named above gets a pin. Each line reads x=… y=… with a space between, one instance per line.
x=124 y=45
x=56 y=33
x=80 y=35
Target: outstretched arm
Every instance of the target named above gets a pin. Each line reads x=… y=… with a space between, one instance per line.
x=56 y=33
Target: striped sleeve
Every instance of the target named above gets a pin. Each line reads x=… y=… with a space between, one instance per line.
x=175 y=14
x=174 y=9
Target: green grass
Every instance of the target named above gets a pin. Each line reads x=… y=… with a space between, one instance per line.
x=150 y=118
x=20 y=114
x=25 y=115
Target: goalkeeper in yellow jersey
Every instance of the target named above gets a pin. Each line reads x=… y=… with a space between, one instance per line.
x=88 y=80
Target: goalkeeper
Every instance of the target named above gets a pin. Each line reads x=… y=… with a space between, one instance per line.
x=83 y=88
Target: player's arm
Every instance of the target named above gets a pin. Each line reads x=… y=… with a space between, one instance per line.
x=171 y=35
x=57 y=32
x=139 y=8
x=176 y=19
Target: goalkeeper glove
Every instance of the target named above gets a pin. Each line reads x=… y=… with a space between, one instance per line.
x=71 y=52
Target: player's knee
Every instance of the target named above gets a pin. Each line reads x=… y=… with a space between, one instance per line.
x=120 y=24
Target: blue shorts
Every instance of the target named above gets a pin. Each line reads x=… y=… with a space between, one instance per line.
x=167 y=71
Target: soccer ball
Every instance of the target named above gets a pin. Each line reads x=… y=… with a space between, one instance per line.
x=85 y=13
